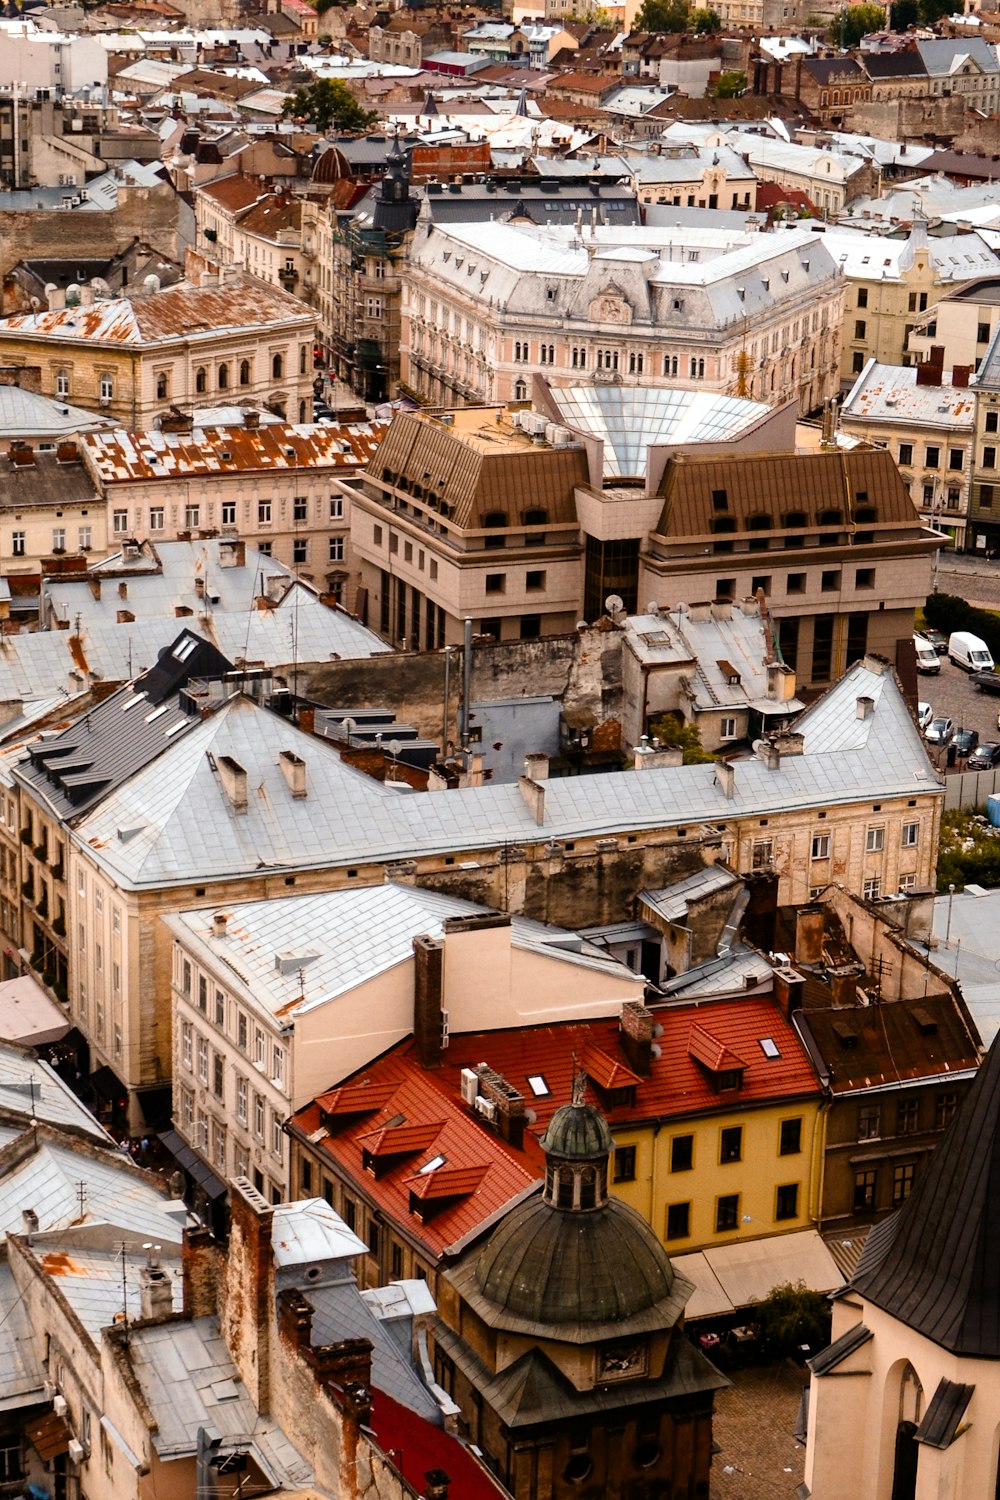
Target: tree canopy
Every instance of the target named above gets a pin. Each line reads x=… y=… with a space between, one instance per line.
x=730 y=85
x=703 y=22
x=328 y=104
x=663 y=15
x=854 y=22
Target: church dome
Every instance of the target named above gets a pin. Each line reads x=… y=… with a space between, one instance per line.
x=578 y=1131
x=556 y=1267
x=332 y=166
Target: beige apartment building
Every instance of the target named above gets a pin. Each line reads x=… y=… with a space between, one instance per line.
x=51 y=510
x=135 y=358
x=242 y=223
x=927 y=425
x=272 y=1004
x=273 y=484
x=486 y=306
x=962 y=322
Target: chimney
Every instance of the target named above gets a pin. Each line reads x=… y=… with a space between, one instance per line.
x=232 y=554
x=156 y=1296
x=199 y=587
x=788 y=987
x=843 y=985
x=293 y=768
x=725 y=778
x=428 y=999
x=654 y=757
x=29 y=1220
x=55 y=297
x=960 y=376
x=220 y=923
x=533 y=793
x=67 y=453
x=436 y=1484
x=199 y=1271
x=510 y=1106
x=123 y=590
x=234 y=782
x=87 y=294
x=246 y=1290
x=536 y=766
x=95 y=587
x=636 y=1035
x=809 y=931
x=865 y=708
x=768 y=752
x=251 y=419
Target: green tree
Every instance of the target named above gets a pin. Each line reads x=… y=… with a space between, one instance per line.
x=932 y=11
x=730 y=85
x=854 y=22
x=790 y=1316
x=703 y=22
x=903 y=15
x=663 y=15
x=670 y=729
x=328 y=104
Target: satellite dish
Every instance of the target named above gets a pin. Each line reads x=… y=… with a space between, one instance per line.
x=652 y=608
x=614 y=604
x=394 y=748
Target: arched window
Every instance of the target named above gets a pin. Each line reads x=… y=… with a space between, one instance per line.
x=223 y=377
x=277 y=367
x=302 y=360
x=200 y=380
x=244 y=372
x=302 y=411
x=161 y=387
x=794 y=518
x=520 y=391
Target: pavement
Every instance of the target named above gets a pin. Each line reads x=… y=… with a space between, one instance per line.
x=758 y=1458
x=975 y=579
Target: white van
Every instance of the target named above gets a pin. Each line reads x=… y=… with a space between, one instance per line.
x=927 y=658
x=968 y=651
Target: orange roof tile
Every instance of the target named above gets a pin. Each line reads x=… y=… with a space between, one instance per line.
x=447 y=1182
x=710 y=1051
x=608 y=1072
x=234 y=192
x=354 y=1099
x=401 y=1140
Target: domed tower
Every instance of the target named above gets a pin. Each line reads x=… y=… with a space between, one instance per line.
x=564 y=1338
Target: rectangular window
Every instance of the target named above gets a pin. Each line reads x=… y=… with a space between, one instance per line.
x=300 y=508
x=186 y=1044
x=727 y=1212
x=218 y=1073
x=956 y=459
x=907 y=1116
x=790 y=1137
x=932 y=459
x=989 y=458
x=278 y=1068
x=59 y=539
x=242 y=1031
x=830 y=581
x=156 y=518
x=496 y=583
x=119 y=522
x=241 y=1100
x=787 y=1201
x=17 y=543
x=906 y=453
x=263 y=512
x=871 y=889
x=219 y=1144
x=337 y=513
x=859 y=328
x=534 y=580
x=678 y=1221
x=911 y=833
x=258 y=1117
x=277 y=1138
x=862 y=296
x=229 y=512
x=203 y=994
x=983 y=337
x=202 y=1060
x=624 y=1169
x=992 y=420
x=220 y=1008
x=864 y=578
x=727 y=729
x=869 y=1122
x=373 y=1238
x=763 y=854
x=944 y=1110
x=796 y=583
x=865 y=1184
x=902 y=1183
x=874 y=840
x=821 y=846
x=258 y=1046
x=192 y=517
x=300 y=550
x=731 y=1144
x=187 y=1111
x=84 y=538
x=335 y=551
x=682 y=1153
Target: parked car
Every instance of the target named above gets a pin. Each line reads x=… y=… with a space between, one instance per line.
x=965 y=741
x=986 y=682
x=985 y=757
x=924 y=714
x=936 y=639
x=927 y=658
x=940 y=730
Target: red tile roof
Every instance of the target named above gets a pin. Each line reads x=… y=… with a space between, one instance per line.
x=401 y=1140
x=482 y=1174
x=417 y=1447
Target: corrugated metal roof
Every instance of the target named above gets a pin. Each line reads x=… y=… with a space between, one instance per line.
x=122 y=457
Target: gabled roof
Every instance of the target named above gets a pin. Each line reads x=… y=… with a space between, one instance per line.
x=712 y=1052
x=934 y=1265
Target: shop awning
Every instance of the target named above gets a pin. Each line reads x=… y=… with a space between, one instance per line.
x=729 y=1278
x=191 y=1162
x=105 y=1081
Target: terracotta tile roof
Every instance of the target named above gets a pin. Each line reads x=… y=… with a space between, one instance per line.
x=709 y=1050
x=272 y=214
x=481 y=1174
x=126 y=456
x=234 y=192
x=401 y=1140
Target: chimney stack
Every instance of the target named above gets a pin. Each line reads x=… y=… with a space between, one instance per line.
x=637 y=1031
x=156 y=1297
x=234 y=782
x=428 y=995
x=293 y=768
x=533 y=793
x=725 y=778
x=865 y=708
x=220 y=922
x=788 y=989
x=246 y=1290
x=29 y=1220
x=809 y=930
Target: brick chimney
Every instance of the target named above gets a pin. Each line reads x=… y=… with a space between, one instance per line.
x=234 y=782
x=637 y=1031
x=788 y=987
x=247 y=1289
x=199 y=1270
x=156 y=1296
x=428 y=991
x=510 y=1106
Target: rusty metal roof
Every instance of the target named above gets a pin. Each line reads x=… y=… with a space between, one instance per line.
x=177 y=312
x=120 y=457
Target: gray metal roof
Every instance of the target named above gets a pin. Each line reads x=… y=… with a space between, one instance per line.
x=25 y=414
x=189 y=1380
x=671 y=902
x=342 y=938
x=32 y=1089
x=52 y=1178
x=182 y=826
x=94 y=1282
x=22 y=1378
x=309 y=1231
x=342 y=1313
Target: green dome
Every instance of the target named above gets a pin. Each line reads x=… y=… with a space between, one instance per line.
x=559 y=1268
x=578 y=1132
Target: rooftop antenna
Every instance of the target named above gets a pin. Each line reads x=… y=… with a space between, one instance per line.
x=121 y=1252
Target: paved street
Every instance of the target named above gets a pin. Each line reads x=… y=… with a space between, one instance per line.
x=973 y=579
x=759 y=1459
x=950 y=692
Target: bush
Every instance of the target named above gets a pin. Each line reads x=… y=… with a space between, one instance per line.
x=790 y=1316
x=670 y=729
x=947 y=612
x=969 y=851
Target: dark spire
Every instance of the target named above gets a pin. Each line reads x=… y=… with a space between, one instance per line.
x=430 y=108
x=522 y=103
x=934 y=1265
x=395 y=211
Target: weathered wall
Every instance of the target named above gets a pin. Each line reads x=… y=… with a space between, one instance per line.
x=159 y=216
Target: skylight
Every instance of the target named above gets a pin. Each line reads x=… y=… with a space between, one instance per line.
x=769 y=1047
x=432 y=1165
x=156 y=713
x=538 y=1086
x=183 y=649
